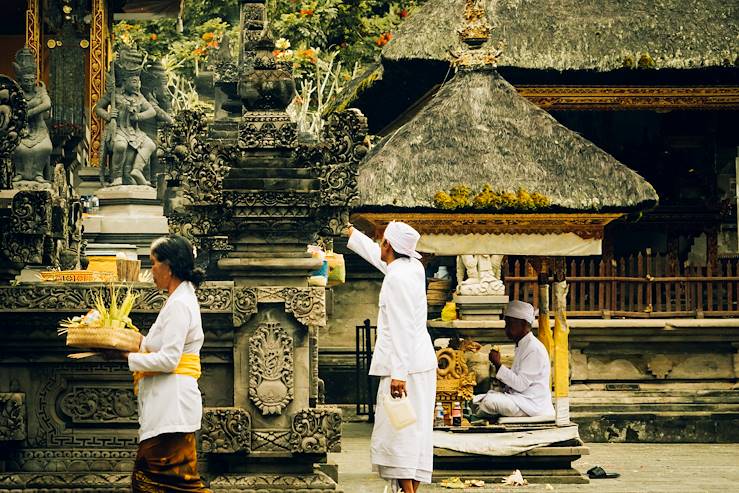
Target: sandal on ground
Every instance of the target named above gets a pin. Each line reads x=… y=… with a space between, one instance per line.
x=598 y=472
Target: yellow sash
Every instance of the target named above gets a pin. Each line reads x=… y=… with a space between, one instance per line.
x=189 y=365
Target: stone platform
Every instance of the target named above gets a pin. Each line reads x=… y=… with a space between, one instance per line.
x=129 y=214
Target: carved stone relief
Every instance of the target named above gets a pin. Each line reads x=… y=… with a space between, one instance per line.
x=225 y=430
x=12 y=417
x=95 y=404
x=271 y=368
x=316 y=430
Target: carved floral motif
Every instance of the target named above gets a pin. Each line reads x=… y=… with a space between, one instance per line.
x=99 y=405
x=316 y=431
x=271 y=368
x=225 y=430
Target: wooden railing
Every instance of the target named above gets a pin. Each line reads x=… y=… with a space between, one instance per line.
x=637 y=286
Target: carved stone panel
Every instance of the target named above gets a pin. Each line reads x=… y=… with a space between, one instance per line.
x=270 y=368
x=316 y=430
x=12 y=417
x=225 y=430
x=95 y=404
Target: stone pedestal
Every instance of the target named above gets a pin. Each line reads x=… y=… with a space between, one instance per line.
x=129 y=214
x=483 y=307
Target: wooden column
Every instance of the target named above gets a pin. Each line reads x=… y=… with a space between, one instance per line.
x=561 y=349
x=96 y=77
x=33 y=33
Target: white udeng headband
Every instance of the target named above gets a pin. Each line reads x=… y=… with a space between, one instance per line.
x=521 y=310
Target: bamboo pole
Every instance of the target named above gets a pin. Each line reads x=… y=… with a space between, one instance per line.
x=561 y=351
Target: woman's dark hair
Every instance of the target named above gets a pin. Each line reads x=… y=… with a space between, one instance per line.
x=178 y=253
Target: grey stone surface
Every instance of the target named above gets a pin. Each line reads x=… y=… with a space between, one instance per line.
x=644 y=468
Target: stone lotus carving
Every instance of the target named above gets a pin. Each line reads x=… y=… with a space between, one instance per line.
x=12 y=417
x=271 y=368
x=225 y=430
x=316 y=430
x=479 y=275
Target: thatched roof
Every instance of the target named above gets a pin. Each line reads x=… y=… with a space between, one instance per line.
x=599 y=35
x=476 y=130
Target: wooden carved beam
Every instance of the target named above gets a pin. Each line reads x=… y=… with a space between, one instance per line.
x=585 y=225
x=632 y=97
x=33 y=33
x=96 y=79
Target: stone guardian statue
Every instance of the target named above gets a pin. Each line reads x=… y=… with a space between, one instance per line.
x=31 y=157
x=479 y=275
x=125 y=146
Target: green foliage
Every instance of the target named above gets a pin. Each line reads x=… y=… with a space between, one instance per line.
x=326 y=41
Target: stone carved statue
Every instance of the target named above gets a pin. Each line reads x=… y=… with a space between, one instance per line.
x=479 y=275
x=125 y=146
x=154 y=89
x=31 y=157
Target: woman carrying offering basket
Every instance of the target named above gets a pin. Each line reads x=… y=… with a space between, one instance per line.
x=166 y=371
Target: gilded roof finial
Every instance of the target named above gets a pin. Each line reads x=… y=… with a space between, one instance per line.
x=477 y=29
x=474 y=34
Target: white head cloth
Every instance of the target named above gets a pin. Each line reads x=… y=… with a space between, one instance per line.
x=402 y=238
x=520 y=310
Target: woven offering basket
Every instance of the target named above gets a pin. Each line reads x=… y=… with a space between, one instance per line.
x=104 y=338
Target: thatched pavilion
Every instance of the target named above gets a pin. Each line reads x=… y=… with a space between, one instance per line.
x=477 y=130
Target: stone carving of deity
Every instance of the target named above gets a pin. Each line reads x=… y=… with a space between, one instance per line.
x=154 y=89
x=126 y=147
x=479 y=275
x=32 y=154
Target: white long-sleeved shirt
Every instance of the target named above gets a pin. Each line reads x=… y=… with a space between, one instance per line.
x=403 y=343
x=528 y=381
x=170 y=403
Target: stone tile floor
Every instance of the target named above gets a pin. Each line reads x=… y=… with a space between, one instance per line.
x=648 y=468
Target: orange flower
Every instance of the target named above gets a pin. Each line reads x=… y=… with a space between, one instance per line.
x=306 y=12
x=213 y=44
x=383 y=39
x=208 y=36
x=198 y=52
x=276 y=53
x=153 y=36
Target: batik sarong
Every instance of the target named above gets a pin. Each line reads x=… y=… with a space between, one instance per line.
x=167 y=463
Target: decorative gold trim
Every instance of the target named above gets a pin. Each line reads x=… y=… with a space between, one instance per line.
x=582 y=224
x=96 y=80
x=631 y=97
x=33 y=33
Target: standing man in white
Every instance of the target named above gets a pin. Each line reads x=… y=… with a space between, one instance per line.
x=403 y=358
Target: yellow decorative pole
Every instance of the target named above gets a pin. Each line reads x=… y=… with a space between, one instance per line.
x=96 y=79
x=33 y=33
x=561 y=350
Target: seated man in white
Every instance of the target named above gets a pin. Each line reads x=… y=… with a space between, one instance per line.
x=527 y=390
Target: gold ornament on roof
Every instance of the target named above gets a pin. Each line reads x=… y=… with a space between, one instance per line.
x=477 y=29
